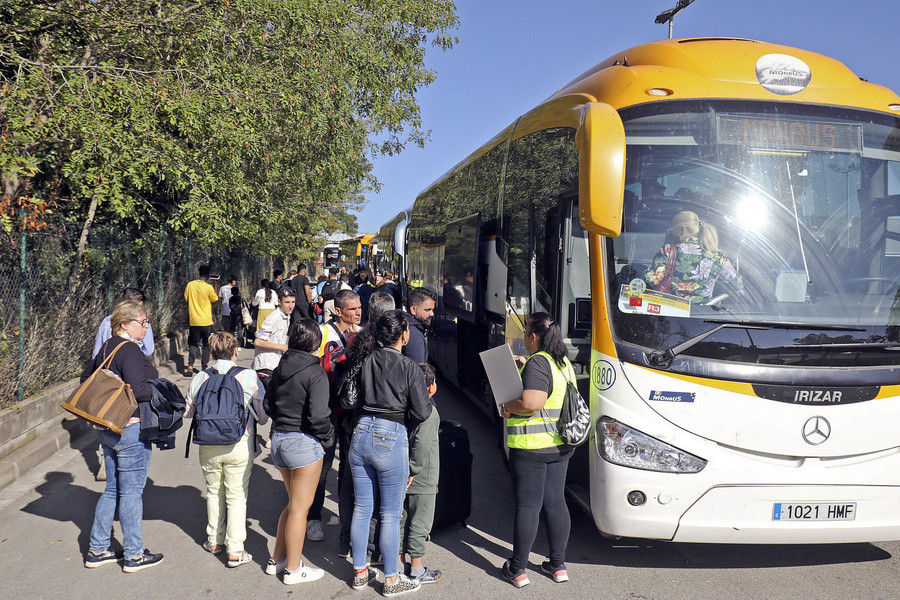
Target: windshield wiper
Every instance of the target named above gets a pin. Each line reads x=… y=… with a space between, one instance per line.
x=850 y=346
x=662 y=358
x=788 y=325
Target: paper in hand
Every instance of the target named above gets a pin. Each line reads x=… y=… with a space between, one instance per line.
x=503 y=374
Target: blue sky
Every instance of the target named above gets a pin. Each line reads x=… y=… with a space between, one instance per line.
x=512 y=54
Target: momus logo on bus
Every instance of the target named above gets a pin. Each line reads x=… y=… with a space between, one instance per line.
x=782 y=74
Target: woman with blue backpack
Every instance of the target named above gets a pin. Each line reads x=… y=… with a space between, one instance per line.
x=225 y=402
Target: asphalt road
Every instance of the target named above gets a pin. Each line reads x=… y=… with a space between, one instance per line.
x=45 y=521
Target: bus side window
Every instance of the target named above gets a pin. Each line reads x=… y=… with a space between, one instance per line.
x=518 y=261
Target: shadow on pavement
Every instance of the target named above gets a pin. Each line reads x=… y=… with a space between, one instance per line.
x=83 y=439
x=656 y=554
x=267 y=497
x=60 y=500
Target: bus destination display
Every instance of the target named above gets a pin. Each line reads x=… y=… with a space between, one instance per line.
x=789 y=135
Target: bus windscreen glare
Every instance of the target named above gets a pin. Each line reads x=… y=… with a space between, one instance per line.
x=806 y=206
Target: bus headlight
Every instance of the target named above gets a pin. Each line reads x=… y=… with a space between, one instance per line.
x=622 y=445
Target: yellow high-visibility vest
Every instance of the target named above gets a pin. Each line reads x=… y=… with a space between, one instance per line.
x=539 y=430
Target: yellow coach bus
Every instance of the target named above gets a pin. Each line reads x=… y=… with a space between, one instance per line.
x=357 y=252
x=749 y=394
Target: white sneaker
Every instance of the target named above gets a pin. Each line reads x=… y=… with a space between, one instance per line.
x=302 y=575
x=274 y=568
x=314 y=531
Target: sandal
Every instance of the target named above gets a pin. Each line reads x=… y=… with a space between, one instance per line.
x=242 y=559
x=212 y=548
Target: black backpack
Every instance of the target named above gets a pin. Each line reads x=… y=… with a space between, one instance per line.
x=331 y=287
x=574 y=424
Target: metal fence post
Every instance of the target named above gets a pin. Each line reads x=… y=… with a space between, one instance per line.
x=159 y=276
x=109 y=269
x=20 y=369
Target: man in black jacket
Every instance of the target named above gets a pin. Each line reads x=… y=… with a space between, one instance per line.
x=421 y=310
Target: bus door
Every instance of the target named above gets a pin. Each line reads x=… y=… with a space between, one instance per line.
x=454 y=328
x=539 y=198
x=549 y=271
x=573 y=305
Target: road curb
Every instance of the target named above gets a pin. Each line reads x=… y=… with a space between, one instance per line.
x=32 y=454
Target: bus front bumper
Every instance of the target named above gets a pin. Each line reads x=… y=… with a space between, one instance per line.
x=793 y=514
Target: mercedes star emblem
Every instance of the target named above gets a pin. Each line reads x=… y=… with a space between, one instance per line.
x=816 y=430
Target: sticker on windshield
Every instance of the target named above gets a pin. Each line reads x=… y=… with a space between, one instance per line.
x=650 y=302
x=659 y=396
x=782 y=74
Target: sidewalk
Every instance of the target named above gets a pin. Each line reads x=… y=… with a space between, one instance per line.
x=46 y=516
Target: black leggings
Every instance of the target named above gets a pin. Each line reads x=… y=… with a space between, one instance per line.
x=539 y=481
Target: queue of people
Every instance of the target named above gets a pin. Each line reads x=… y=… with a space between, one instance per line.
x=388 y=443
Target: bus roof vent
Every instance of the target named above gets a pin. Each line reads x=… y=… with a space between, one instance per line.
x=716 y=39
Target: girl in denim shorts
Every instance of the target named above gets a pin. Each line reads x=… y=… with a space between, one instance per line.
x=297 y=402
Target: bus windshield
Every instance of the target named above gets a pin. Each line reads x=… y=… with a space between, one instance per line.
x=782 y=217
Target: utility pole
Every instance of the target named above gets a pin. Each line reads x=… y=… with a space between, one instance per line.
x=668 y=16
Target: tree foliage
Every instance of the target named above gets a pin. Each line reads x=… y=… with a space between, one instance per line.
x=248 y=124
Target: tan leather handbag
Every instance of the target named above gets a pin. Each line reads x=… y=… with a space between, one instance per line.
x=104 y=398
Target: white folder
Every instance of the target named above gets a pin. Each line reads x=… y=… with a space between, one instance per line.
x=503 y=374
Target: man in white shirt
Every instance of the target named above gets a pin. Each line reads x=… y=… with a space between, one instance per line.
x=271 y=338
x=228 y=324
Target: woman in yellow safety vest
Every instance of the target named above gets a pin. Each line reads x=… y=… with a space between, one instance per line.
x=538 y=458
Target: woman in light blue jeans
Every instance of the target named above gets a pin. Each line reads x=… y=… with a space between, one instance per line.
x=393 y=396
x=379 y=456
x=127 y=462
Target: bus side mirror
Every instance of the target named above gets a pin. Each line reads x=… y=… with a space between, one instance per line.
x=400 y=238
x=601 y=171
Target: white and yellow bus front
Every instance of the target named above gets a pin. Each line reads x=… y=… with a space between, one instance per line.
x=762 y=407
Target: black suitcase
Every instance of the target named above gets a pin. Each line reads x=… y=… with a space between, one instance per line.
x=454 y=497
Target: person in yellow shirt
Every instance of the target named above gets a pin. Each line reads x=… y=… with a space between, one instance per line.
x=199 y=295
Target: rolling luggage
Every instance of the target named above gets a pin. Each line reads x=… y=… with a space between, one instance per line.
x=454 y=497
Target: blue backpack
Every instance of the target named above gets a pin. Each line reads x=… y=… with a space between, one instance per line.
x=220 y=416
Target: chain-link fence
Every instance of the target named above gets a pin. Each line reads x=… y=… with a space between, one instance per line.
x=49 y=320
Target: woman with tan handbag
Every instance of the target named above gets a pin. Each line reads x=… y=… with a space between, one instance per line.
x=127 y=458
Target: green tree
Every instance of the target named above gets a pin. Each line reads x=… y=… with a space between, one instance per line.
x=247 y=124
